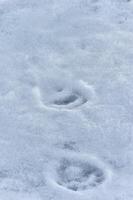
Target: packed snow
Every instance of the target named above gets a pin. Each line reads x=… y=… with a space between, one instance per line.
x=66 y=99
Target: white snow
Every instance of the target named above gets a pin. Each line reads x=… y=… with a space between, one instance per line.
x=66 y=99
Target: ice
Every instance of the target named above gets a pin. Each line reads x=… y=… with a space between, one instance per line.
x=66 y=99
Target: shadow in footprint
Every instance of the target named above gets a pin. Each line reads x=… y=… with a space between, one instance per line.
x=65 y=101
x=71 y=100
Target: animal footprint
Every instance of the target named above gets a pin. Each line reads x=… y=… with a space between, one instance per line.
x=78 y=176
x=75 y=174
x=64 y=95
x=70 y=99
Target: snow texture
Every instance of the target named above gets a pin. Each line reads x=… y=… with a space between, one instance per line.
x=66 y=99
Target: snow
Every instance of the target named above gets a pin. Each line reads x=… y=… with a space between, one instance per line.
x=66 y=99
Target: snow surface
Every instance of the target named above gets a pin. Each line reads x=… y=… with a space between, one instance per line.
x=66 y=100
